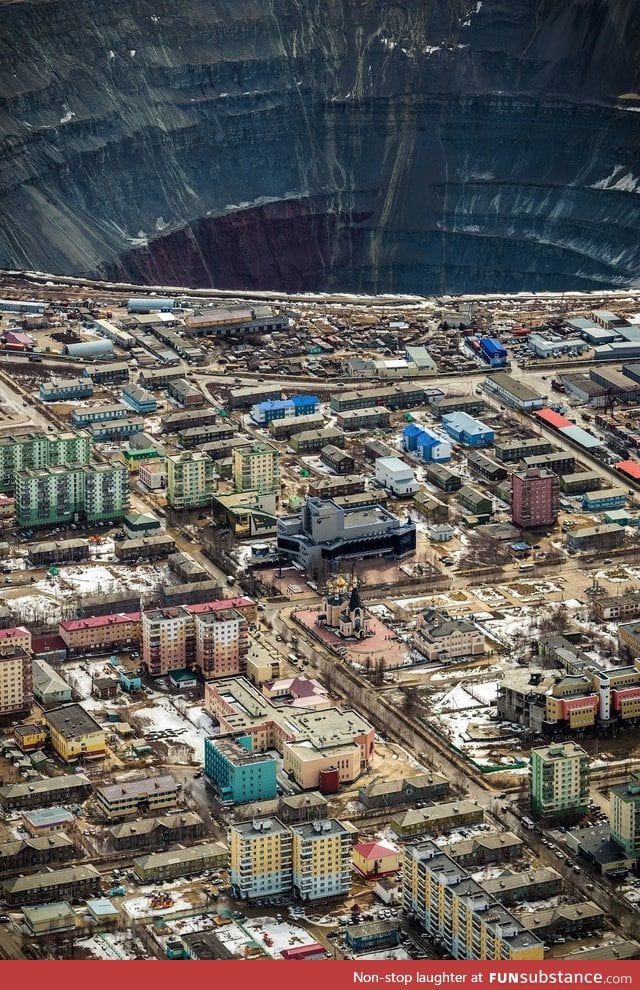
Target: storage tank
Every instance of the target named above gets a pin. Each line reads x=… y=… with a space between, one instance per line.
x=329 y=781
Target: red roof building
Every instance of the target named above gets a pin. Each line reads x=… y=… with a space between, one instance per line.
x=553 y=418
x=374 y=859
x=632 y=468
x=313 y=951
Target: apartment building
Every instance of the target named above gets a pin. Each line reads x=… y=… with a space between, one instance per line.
x=112 y=373
x=191 y=480
x=256 y=468
x=337 y=487
x=260 y=858
x=608 y=607
x=237 y=774
x=68 y=788
x=101 y=633
x=213 y=639
x=15 y=636
x=458 y=913
x=199 y=436
x=140 y=399
x=180 y=862
x=604 y=537
x=222 y=643
x=321 y=859
x=266 y=412
x=83 y=416
x=40 y=450
x=402 y=395
x=535 y=498
x=310 y=742
x=186 y=395
x=516 y=450
x=62 y=494
x=310 y=441
x=624 y=815
x=283 y=429
x=16 y=679
x=185 y=827
x=559 y=781
x=144 y=797
x=64 y=389
x=360 y=419
x=45 y=887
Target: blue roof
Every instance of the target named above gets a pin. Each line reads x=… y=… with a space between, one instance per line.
x=412 y=430
x=428 y=439
x=463 y=422
x=304 y=400
x=492 y=346
x=269 y=404
x=102 y=907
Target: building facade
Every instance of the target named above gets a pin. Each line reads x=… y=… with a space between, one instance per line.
x=260 y=858
x=559 y=781
x=143 y=796
x=74 y=734
x=456 y=911
x=256 y=468
x=95 y=493
x=191 y=480
x=624 y=816
x=16 y=680
x=535 y=498
x=40 y=450
x=212 y=638
x=237 y=774
x=321 y=859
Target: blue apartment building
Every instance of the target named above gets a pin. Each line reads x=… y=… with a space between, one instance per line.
x=604 y=498
x=427 y=445
x=62 y=389
x=99 y=414
x=139 y=399
x=468 y=431
x=264 y=413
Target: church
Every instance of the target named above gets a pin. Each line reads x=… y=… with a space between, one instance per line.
x=342 y=610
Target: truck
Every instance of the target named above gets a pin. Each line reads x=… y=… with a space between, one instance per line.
x=116 y=891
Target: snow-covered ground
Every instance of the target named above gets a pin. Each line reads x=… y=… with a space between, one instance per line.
x=190 y=729
x=51 y=597
x=140 y=907
x=112 y=945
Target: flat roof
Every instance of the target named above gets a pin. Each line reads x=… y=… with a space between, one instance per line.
x=72 y=721
x=513 y=386
x=139 y=788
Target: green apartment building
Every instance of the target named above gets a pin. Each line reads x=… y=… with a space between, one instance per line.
x=191 y=479
x=559 y=781
x=40 y=450
x=71 y=493
x=624 y=816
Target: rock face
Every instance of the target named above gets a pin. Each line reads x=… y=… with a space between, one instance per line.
x=362 y=145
